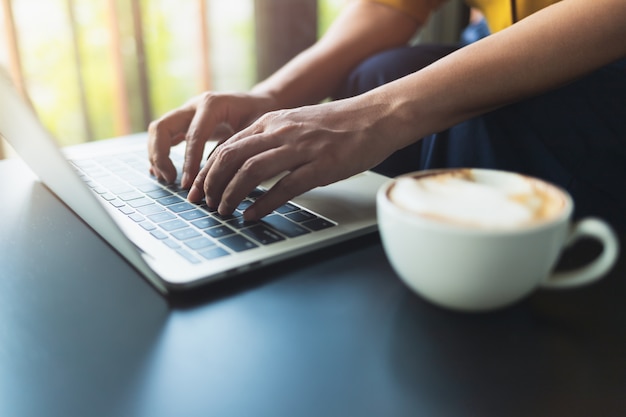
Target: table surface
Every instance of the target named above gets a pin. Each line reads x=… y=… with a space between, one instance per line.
x=333 y=333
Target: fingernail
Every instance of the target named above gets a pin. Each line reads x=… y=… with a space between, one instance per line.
x=224 y=210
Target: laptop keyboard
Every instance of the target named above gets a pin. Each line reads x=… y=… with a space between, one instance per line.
x=195 y=231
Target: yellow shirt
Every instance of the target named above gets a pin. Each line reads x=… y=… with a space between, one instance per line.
x=497 y=12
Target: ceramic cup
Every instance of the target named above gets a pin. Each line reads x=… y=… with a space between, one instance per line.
x=476 y=240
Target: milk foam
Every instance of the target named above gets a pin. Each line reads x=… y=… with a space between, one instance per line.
x=460 y=197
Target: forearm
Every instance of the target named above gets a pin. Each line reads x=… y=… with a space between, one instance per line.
x=360 y=31
x=544 y=51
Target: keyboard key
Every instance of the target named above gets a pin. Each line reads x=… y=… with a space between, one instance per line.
x=161 y=217
x=148 y=187
x=167 y=201
x=134 y=179
x=238 y=243
x=171 y=243
x=284 y=226
x=206 y=208
x=193 y=214
x=205 y=222
x=219 y=231
x=199 y=243
x=234 y=215
x=318 y=224
x=184 y=234
x=120 y=188
x=150 y=209
x=147 y=226
x=213 y=253
x=131 y=195
x=173 y=225
x=262 y=234
x=286 y=208
x=185 y=254
x=301 y=216
x=140 y=202
x=244 y=205
x=136 y=217
x=240 y=223
x=126 y=210
x=180 y=207
x=159 y=234
x=160 y=193
x=114 y=183
x=174 y=188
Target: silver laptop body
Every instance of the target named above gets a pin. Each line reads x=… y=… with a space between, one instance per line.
x=145 y=225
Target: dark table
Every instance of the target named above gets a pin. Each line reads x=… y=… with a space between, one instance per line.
x=334 y=333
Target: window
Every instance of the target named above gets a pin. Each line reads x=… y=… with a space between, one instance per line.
x=105 y=68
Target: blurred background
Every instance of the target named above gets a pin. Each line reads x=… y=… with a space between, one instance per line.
x=103 y=68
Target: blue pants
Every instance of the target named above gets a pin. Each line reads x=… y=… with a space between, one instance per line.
x=574 y=136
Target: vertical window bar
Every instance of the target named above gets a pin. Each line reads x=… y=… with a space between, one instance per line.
x=79 y=71
x=121 y=110
x=15 y=62
x=204 y=67
x=142 y=70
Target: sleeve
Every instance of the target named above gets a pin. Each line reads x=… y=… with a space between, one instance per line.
x=416 y=9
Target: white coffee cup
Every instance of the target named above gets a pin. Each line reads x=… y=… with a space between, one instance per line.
x=461 y=237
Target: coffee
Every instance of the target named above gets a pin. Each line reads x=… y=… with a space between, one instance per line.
x=469 y=198
x=477 y=239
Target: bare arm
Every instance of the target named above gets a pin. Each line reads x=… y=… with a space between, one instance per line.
x=327 y=142
x=361 y=30
x=544 y=51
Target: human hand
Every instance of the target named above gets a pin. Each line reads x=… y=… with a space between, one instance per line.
x=209 y=116
x=314 y=146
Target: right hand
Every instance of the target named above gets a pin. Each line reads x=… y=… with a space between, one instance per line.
x=209 y=116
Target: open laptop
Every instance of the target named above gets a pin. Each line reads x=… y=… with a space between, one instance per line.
x=175 y=244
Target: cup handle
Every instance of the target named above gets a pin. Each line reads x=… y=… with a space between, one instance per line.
x=593 y=271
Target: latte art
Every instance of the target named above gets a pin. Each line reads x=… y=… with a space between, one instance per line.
x=465 y=197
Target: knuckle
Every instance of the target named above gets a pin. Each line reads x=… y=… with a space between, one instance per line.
x=155 y=127
x=192 y=135
x=209 y=99
x=199 y=183
x=205 y=97
x=208 y=187
x=251 y=166
x=152 y=126
x=226 y=154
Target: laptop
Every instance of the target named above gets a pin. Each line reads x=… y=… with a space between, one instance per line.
x=177 y=245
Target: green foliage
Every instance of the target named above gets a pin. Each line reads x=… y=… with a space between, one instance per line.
x=171 y=42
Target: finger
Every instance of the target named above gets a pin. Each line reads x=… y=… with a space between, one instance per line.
x=291 y=185
x=196 y=191
x=204 y=124
x=162 y=135
x=237 y=158
x=158 y=152
x=255 y=170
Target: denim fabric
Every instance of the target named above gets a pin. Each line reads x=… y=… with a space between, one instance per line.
x=574 y=136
